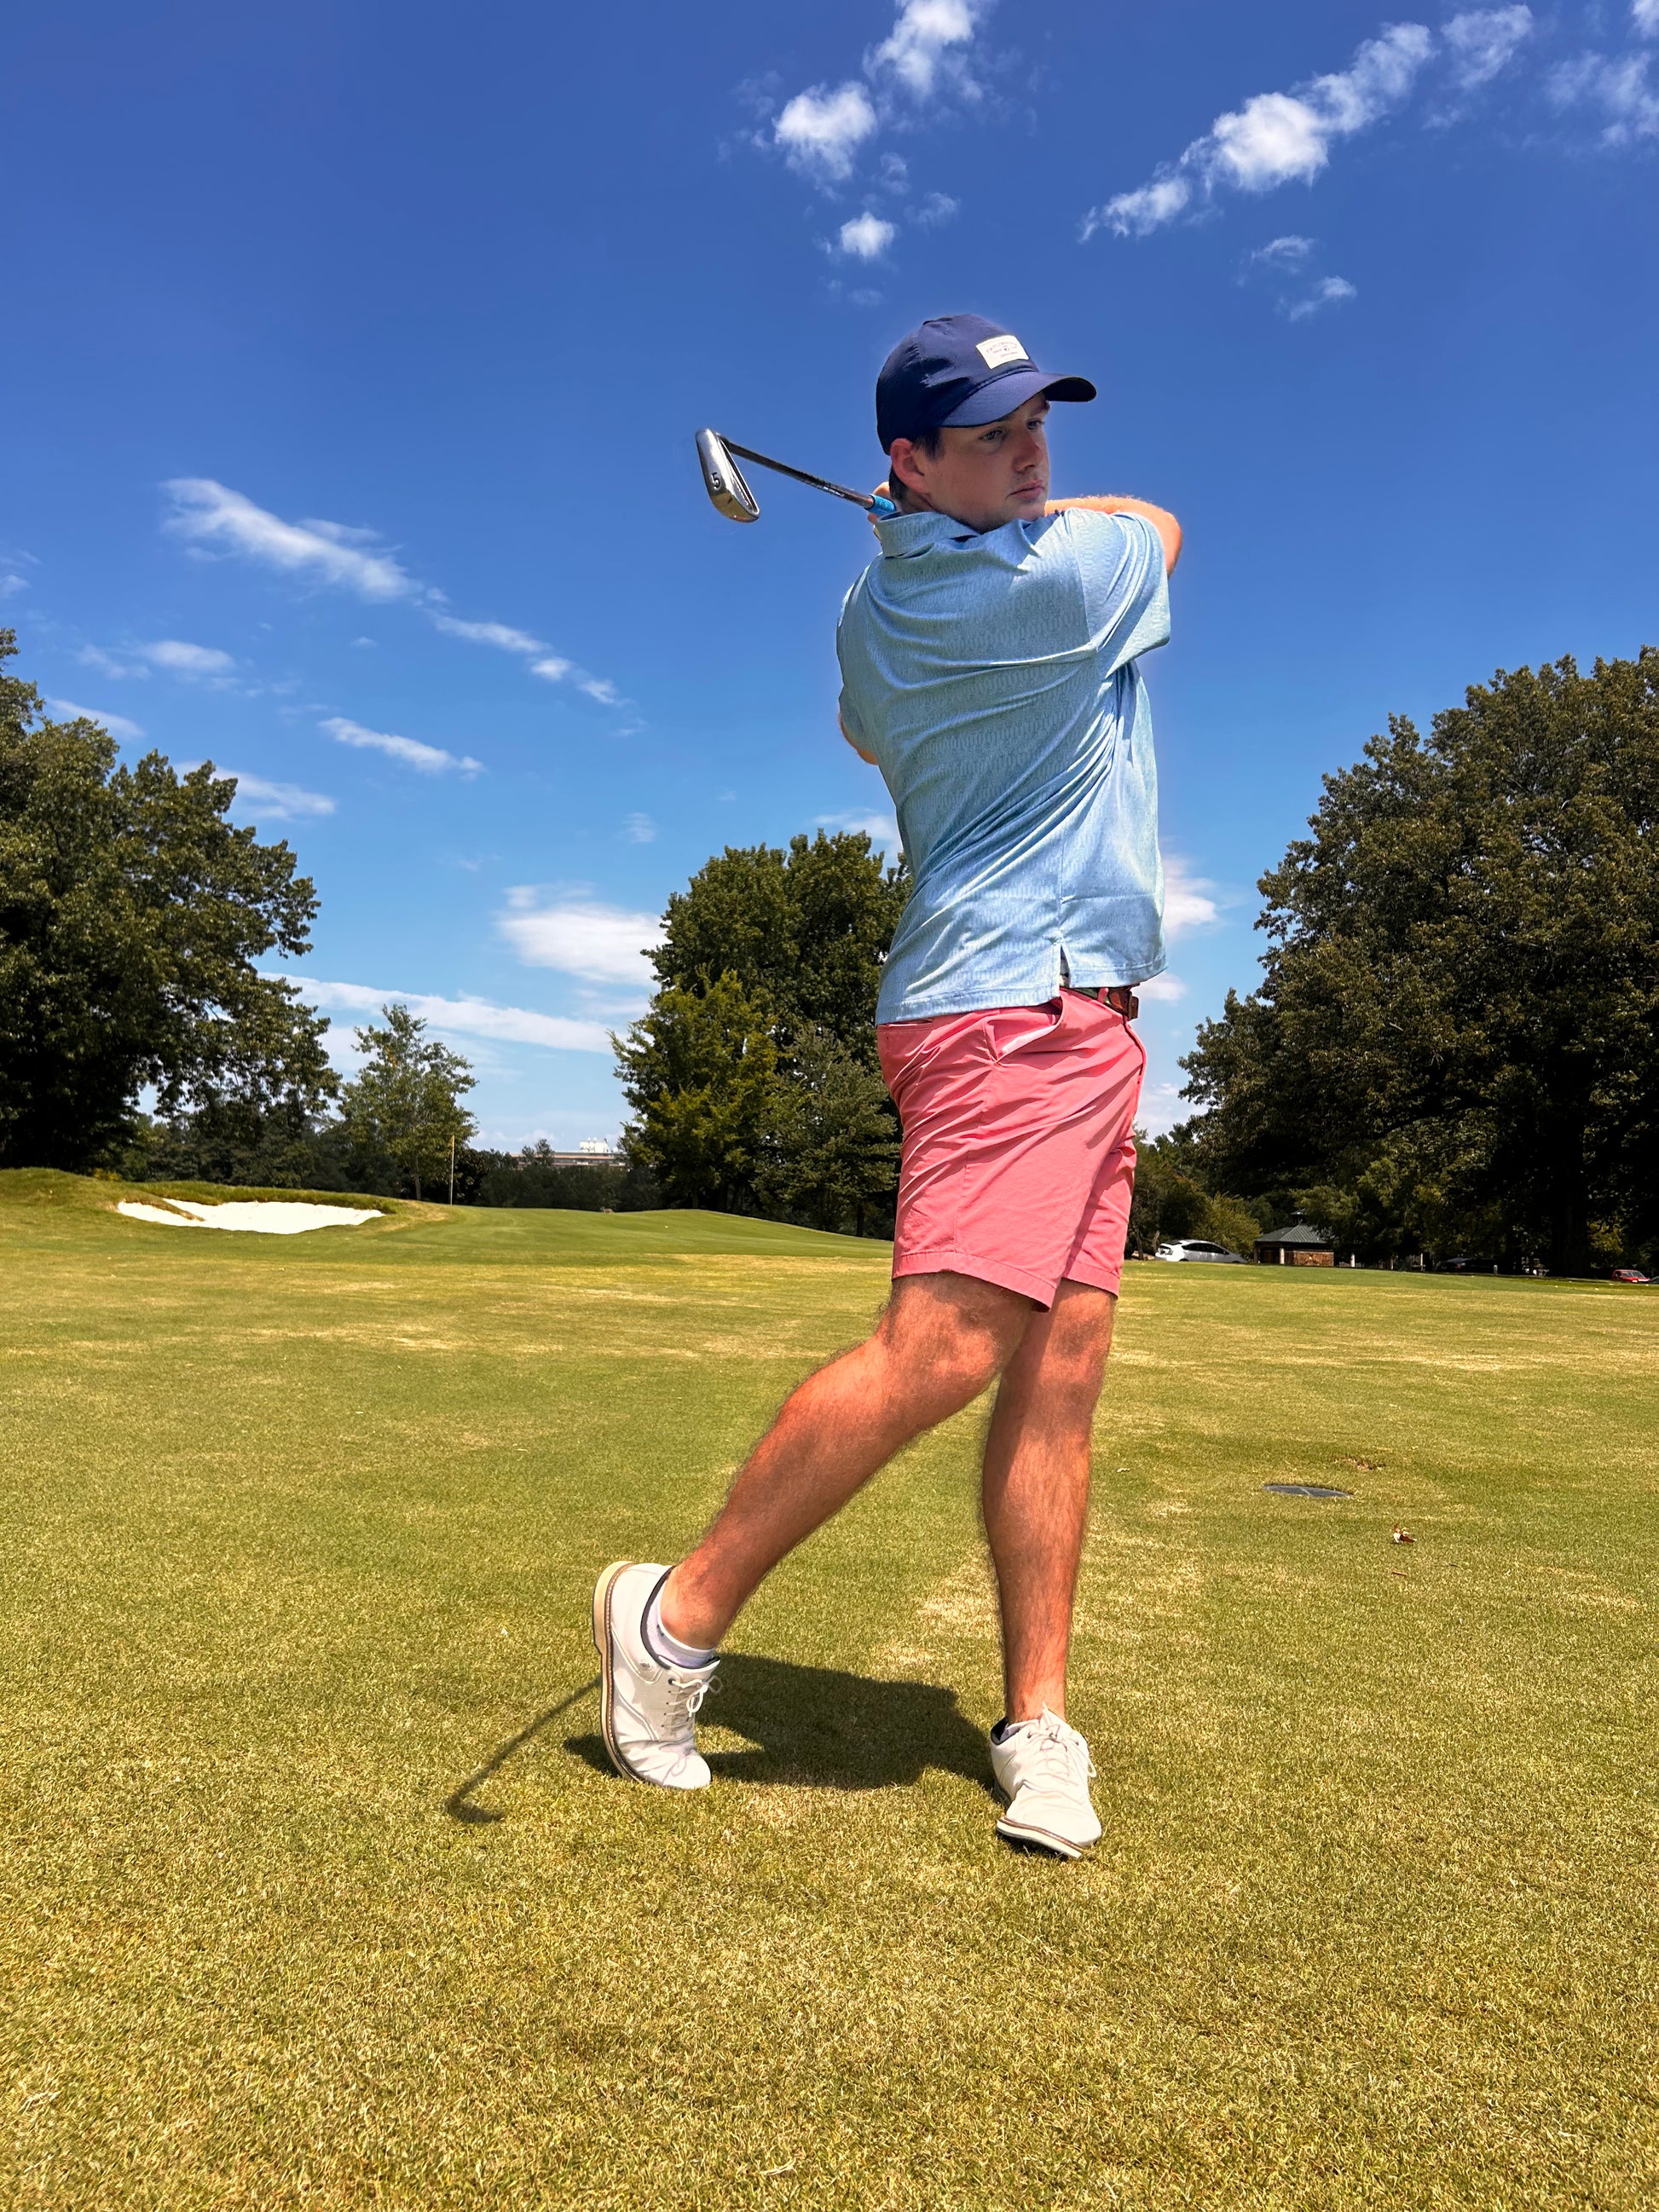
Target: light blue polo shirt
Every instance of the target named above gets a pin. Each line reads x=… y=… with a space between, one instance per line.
x=993 y=675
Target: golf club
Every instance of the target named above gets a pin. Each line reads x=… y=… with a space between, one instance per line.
x=723 y=480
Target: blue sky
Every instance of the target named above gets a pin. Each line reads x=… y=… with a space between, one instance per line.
x=357 y=352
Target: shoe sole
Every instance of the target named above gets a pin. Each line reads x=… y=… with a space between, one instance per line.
x=602 y=1590
x=1041 y=1839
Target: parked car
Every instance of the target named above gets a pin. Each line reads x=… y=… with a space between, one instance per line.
x=1194 y=1248
x=1630 y=1275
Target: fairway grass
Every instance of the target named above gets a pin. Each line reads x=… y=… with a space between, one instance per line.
x=315 y=1891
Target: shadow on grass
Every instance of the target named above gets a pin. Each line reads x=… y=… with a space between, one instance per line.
x=817 y=1728
x=459 y=1804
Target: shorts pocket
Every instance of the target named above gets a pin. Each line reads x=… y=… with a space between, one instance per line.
x=1014 y=1030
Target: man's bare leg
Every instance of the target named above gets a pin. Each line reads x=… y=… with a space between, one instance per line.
x=1035 y=1490
x=942 y=1339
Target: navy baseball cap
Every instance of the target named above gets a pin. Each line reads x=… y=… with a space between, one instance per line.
x=957 y=372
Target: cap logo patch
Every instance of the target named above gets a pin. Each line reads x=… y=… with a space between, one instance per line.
x=995 y=352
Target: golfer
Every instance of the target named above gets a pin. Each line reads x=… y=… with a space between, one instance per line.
x=989 y=662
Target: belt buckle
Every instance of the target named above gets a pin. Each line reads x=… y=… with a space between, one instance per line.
x=1120 y=996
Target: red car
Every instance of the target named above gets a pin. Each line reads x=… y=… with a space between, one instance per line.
x=1630 y=1275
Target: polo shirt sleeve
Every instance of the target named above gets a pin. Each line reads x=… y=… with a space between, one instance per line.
x=851 y=719
x=1125 y=593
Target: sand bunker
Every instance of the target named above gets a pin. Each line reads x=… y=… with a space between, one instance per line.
x=270 y=1217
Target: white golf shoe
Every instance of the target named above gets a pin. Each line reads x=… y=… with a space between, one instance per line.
x=1042 y=1768
x=646 y=1709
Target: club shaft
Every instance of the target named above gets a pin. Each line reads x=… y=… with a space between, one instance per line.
x=863 y=499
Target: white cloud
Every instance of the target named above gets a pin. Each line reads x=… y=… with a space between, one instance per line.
x=208 y=514
x=340 y=1044
x=1187 y=902
x=1161 y=1105
x=1161 y=990
x=467 y=1016
x=1621 y=89
x=9 y=583
x=430 y=760
x=93 y=656
x=581 y=937
x=1283 y=253
x=501 y=634
x=881 y=828
x=1275 y=138
x=924 y=42
x=117 y=724
x=1284 y=263
x=936 y=208
x=182 y=660
x=820 y=130
x=1326 y=293
x=639 y=829
x=1136 y=214
x=1482 y=40
x=1644 y=18
x=211 y=513
x=867 y=237
x=280 y=802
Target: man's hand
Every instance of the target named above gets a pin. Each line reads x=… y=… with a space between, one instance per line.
x=1160 y=518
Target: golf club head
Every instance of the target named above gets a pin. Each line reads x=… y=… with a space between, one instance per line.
x=722 y=479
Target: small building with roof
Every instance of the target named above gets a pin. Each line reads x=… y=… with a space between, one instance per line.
x=1298 y=1246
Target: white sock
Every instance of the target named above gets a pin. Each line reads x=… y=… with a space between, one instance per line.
x=666 y=1649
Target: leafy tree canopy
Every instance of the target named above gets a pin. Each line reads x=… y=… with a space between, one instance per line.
x=405 y=1101
x=803 y=933
x=832 y=1140
x=1456 y=1040
x=753 y=1077
x=699 y=1071
x=131 y=913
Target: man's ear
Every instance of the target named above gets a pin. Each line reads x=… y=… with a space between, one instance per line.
x=901 y=465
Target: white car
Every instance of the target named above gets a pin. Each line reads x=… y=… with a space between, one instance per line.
x=1194 y=1248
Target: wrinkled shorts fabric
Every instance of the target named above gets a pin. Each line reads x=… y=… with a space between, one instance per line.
x=1019 y=1162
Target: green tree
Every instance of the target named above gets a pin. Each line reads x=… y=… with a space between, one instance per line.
x=832 y=1152
x=700 y=1070
x=803 y=933
x=1170 y=1201
x=406 y=1100
x=803 y=1129
x=1456 y=1040
x=131 y=913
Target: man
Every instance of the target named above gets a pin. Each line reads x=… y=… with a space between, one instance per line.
x=988 y=668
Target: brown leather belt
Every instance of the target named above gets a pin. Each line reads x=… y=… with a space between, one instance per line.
x=1118 y=996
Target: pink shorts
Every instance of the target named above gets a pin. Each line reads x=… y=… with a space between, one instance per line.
x=1018 y=1164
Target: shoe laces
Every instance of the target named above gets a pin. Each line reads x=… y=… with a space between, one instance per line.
x=1056 y=1752
x=683 y=1698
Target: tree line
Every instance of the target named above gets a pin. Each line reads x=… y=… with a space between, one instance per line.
x=1454 y=1046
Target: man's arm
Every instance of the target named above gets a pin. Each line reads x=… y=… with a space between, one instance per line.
x=1160 y=518
x=856 y=746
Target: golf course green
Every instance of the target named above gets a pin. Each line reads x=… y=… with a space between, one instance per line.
x=315 y=1889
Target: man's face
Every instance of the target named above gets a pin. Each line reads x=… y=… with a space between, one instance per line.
x=984 y=478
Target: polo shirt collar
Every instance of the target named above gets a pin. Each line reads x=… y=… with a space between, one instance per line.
x=903 y=536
